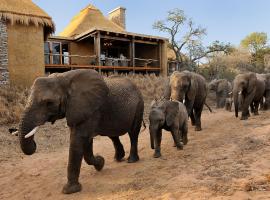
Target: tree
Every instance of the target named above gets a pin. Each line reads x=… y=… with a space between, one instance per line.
x=187 y=43
x=255 y=41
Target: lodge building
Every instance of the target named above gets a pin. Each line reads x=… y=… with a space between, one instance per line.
x=90 y=41
x=93 y=41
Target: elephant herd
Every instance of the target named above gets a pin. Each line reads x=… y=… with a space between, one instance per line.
x=248 y=92
x=113 y=106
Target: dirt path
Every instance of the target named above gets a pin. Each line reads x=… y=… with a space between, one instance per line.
x=229 y=159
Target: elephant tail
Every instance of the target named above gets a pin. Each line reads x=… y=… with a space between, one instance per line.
x=208 y=107
x=144 y=126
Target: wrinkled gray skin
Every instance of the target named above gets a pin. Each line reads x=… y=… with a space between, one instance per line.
x=265 y=103
x=191 y=88
x=228 y=104
x=250 y=90
x=171 y=116
x=222 y=88
x=92 y=106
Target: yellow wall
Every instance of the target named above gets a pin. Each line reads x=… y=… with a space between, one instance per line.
x=25 y=54
x=83 y=48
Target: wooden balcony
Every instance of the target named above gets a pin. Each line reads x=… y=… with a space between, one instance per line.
x=109 y=64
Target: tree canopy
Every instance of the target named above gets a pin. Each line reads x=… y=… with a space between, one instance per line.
x=186 y=37
x=255 y=41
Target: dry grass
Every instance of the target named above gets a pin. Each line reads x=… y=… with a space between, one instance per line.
x=12 y=102
x=151 y=86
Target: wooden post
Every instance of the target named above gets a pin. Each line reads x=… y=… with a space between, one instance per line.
x=132 y=53
x=164 y=58
x=97 y=49
x=160 y=54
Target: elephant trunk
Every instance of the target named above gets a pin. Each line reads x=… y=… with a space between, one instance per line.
x=152 y=138
x=178 y=96
x=27 y=127
x=236 y=101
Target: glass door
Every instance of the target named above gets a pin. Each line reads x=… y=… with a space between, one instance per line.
x=56 y=51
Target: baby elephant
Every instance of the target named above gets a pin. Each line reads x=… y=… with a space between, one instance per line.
x=171 y=116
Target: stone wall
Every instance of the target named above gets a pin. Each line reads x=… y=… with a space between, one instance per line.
x=4 y=74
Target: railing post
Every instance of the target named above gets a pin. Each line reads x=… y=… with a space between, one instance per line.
x=132 y=53
x=97 y=49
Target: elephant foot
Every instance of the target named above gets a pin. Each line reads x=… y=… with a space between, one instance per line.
x=244 y=118
x=180 y=146
x=70 y=188
x=99 y=163
x=119 y=155
x=185 y=141
x=133 y=158
x=157 y=154
x=198 y=128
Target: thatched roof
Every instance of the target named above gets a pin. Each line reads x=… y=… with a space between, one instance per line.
x=89 y=18
x=25 y=12
x=170 y=54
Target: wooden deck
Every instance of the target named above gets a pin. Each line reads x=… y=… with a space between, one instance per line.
x=118 y=68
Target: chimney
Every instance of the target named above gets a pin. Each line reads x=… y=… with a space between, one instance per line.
x=118 y=16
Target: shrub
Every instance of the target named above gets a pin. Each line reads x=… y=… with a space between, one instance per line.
x=12 y=103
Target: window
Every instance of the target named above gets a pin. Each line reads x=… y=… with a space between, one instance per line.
x=56 y=47
x=65 y=52
x=56 y=53
x=47 y=53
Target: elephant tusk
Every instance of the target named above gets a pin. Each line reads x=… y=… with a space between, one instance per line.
x=240 y=92
x=16 y=133
x=31 y=133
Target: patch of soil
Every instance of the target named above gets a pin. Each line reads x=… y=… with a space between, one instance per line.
x=229 y=159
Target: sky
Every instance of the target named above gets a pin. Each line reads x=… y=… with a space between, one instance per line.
x=225 y=20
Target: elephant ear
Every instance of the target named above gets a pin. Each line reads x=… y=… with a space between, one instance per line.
x=192 y=87
x=221 y=86
x=167 y=90
x=252 y=79
x=171 y=112
x=87 y=91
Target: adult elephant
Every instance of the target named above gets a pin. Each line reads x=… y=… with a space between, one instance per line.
x=92 y=106
x=222 y=88
x=250 y=90
x=190 y=88
x=266 y=102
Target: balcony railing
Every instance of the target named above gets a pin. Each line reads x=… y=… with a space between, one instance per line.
x=64 y=61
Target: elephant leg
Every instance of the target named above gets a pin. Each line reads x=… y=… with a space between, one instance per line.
x=217 y=96
x=252 y=108
x=219 y=101
x=192 y=118
x=222 y=101
x=256 y=107
x=89 y=158
x=74 y=163
x=247 y=101
x=158 y=138
x=184 y=133
x=198 y=113
x=267 y=100
x=133 y=136
x=262 y=104
x=119 y=149
x=177 y=138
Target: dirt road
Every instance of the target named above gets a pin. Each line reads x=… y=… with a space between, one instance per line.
x=229 y=159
